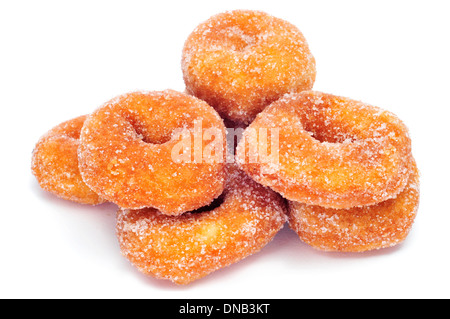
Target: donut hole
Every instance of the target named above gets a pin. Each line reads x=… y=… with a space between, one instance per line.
x=332 y=137
x=150 y=131
x=236 y=39
x=145 y=136
x=328 y=133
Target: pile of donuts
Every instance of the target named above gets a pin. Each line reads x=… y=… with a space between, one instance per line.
x=338 y=171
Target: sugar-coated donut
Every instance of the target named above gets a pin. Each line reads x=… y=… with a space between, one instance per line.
x=240 y=61
x=54 y=163
x=361 y=228
x=188 y=247
x=331 y=151
x=128 y=146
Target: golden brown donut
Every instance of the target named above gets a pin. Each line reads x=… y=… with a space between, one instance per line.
x=128 y=146
x=332 y=151
x=240 y=61
x=55 y=163
x=361 y=228
x=188 y=247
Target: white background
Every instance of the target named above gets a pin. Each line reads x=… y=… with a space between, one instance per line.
x=61 y=59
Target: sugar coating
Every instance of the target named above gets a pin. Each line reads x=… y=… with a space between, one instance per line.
x=358 y=229
x=188 y=247
x=54 y=163
x=126 y=146
x=333 y=151
x=240 y=61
